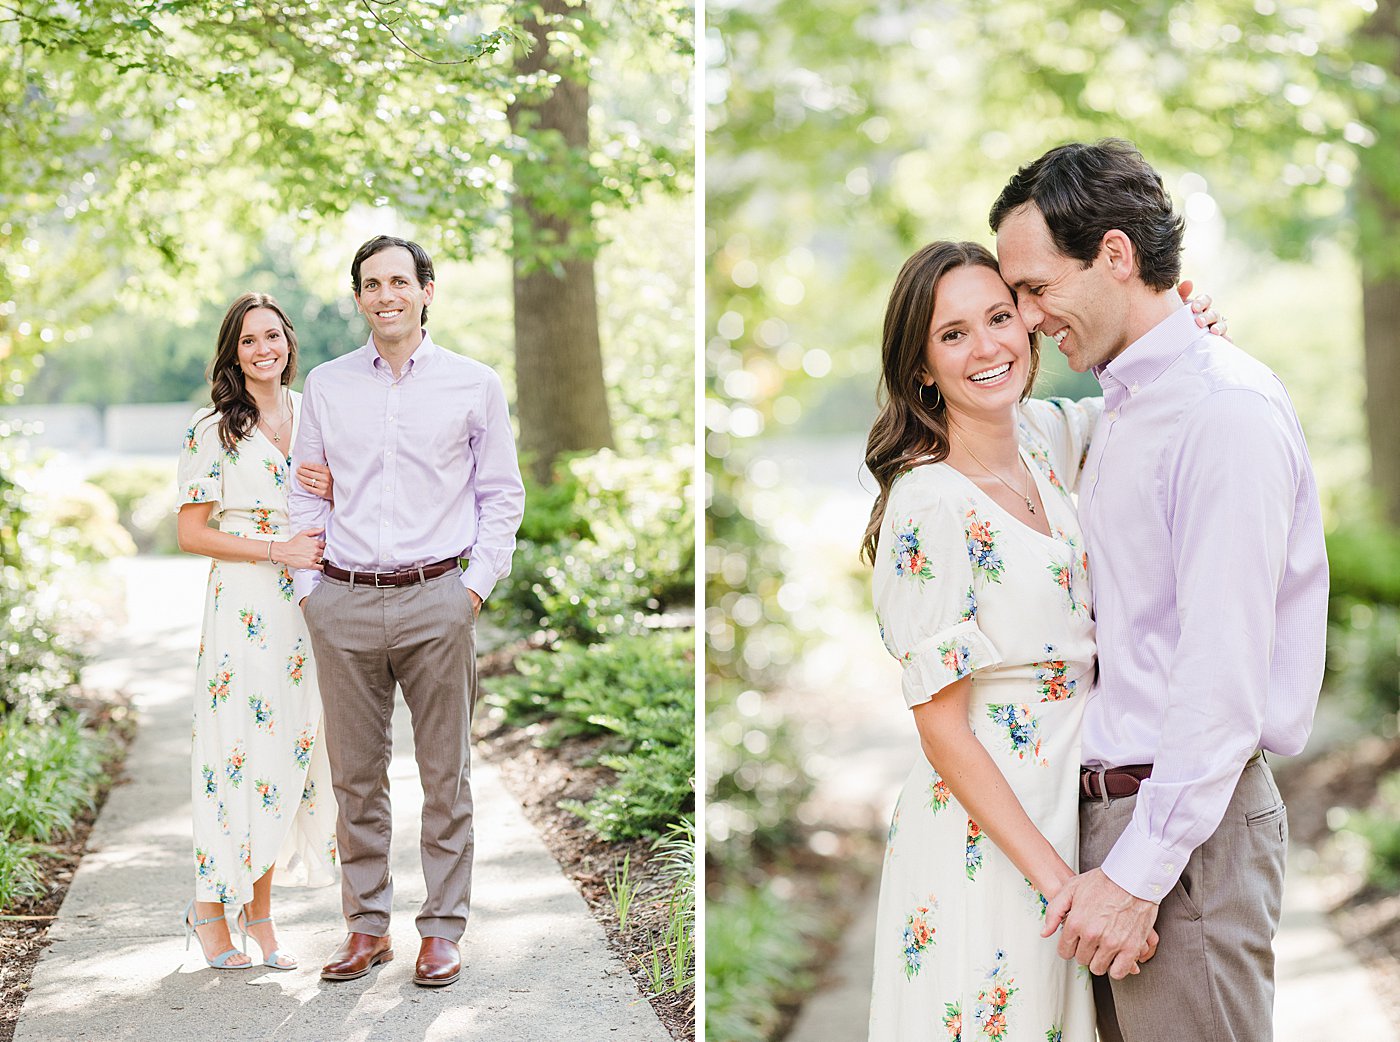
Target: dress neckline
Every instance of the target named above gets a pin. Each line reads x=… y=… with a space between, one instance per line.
x=1041 y=486
x=291 y=433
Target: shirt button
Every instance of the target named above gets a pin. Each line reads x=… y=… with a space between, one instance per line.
x=1167 y=866
x=1113 y=414
x=391 y=419
x=1156 y=889
x=1133 y=389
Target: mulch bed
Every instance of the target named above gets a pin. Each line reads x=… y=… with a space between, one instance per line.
x=539 y=779
x=1367 y=918
x=24 y=927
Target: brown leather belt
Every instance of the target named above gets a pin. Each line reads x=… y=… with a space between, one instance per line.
x=403 y=577
x=1116 y=781
x=1121 y=781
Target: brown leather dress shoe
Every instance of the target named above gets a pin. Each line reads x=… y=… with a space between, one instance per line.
x=357 y=955
x=439 y=963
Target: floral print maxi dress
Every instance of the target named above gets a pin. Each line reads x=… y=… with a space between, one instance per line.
x=261 y=787
x=962 y=588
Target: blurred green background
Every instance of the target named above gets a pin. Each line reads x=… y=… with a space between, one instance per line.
x=842 y=136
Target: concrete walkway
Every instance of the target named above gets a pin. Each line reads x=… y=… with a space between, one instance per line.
x=536 y=966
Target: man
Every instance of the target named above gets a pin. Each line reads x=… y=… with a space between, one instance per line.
x=1204 y=535
x=422 y=456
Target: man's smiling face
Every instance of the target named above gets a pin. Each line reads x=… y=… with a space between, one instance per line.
x=1079 y=308
x=390 y=297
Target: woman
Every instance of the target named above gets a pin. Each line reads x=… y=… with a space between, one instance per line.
x=261 y=785
x=982 y=593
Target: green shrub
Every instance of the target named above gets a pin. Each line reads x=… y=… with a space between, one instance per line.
x=1364 y=562
x=1380 y=827
x=755 y=950
x=20 y=878
x=1363 y=657
x=37 y=664
x=49 y=773
x=607 y=543
x=640 y=692
x=756 y=775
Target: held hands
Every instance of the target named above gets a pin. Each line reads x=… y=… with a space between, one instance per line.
x=316 y=477
x=303 y=550
x=1105 y=928
x=1206 y=316
x=476 y=604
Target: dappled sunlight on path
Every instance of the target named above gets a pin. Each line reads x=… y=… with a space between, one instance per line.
x=535 y=963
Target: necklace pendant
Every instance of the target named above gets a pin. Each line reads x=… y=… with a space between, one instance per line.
x=1029 y=505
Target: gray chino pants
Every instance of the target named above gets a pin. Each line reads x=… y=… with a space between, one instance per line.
x=366 y=640
x=1212 y=979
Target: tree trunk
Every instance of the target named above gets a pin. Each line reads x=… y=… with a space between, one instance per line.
x=561 y=398
x=1378 y=223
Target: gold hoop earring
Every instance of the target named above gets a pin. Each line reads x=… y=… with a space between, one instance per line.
x=937 y=395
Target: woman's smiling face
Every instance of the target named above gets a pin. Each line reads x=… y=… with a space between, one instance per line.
x=978 y=352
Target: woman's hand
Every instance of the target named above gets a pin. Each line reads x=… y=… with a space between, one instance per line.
x=316 y=477
x=303 y=550
x=1206 y=316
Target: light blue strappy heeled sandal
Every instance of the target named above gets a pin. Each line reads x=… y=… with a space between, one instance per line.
x=220 y=961
x=271 y=959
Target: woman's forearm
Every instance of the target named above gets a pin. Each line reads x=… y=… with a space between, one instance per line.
x=196 y=537
x=978 y=784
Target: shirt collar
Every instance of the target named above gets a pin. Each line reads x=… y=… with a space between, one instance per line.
x=1148 y=357
x=422 y=355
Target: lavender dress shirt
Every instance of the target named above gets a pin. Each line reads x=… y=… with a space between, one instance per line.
x=1201 y=519
x=424 y=466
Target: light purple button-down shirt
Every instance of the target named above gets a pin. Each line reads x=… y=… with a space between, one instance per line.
x=1204 y=534
x=424 y=466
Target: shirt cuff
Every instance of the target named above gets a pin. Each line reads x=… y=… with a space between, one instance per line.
x=304 y=580
x=478 y=578
x=1143 y=867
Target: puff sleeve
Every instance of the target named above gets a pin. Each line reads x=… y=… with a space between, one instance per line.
x=1056 y=433
x=925 y=594
x=199 y=474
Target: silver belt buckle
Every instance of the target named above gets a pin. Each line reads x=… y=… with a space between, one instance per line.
x=377 y=584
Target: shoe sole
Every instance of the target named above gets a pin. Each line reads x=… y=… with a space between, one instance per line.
x=430 y=982
x=373 y=962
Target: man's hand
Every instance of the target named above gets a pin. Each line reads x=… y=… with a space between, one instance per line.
x=476 y=603
x=1105 y=928
x=302 y=603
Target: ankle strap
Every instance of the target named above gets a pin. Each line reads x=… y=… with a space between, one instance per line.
x=205 y=922
x=254 y=922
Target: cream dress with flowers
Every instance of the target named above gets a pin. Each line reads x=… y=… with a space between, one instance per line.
x=260 y=780
x=962 y=589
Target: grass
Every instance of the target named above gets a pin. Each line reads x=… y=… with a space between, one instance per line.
x=755 y=954
x=622 y=889
x=50 y=772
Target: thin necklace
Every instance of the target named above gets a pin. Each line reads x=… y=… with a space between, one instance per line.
x=1026 y=495
x=277 y=437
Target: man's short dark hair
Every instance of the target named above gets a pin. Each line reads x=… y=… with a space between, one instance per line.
x=1084 y=191
x=422 y=263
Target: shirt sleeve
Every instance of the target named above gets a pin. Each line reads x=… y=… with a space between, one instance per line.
x=925 y=598
x=1230 y=495
x=306 y=509
x=499 y=494
x=200 y=472
x=1056 y=433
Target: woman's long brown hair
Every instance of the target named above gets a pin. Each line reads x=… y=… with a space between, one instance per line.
x=912 y=426
x=238 y=413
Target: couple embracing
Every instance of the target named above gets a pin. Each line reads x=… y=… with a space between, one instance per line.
x=360 y=527
x=1094 y=748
